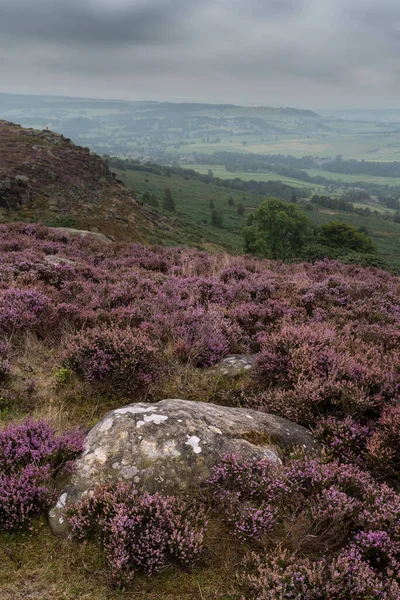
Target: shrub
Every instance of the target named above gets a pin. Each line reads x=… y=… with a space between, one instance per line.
x=310 y=509
x=123 y=360
x=139 y=532
x=31 y=454
x=22 y=309
x=63 y=376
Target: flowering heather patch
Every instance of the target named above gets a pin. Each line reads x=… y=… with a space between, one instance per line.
x=327 y=339
x=327 y=335
x=31 y=454
x=139 y=532
x=127 y=360
x=332 y=509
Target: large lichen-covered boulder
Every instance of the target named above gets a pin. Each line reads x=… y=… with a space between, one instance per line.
x=172 y=446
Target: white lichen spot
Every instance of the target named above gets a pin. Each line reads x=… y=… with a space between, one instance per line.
x=215 y=429
x=115 y=465
x=61 y=502
x=249 y=417
x=140 y=424
x=194 y=442
x=136 y=479
x=180 y=421
x=157 y=419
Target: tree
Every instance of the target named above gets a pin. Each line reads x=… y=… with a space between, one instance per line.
x=294 y=199
x=146 y=197
x=169 y=202
x=217 y=218
x=231 y=201
x=240 y=209
x=276 y=230
x=337 y=234
x=212 y=205
x=154 y=201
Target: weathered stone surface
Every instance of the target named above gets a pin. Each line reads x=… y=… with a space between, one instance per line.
x=82 y=233
x=172 y=446
x=15 y=192
x=58 y=260
x=234 y=364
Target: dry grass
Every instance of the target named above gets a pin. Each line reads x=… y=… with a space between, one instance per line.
x=42 y=567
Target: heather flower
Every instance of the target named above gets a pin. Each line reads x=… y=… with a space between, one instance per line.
x=139 y=532
x=125 y=360
x=31 y=454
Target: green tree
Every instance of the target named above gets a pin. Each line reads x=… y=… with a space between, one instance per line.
x=217 y=218
x=240 y=209
x=212 y=205
x=231 y=201
x=154 y=201
x=343 y=236
x=168 y=202
x=146 y=197
x=276 y=230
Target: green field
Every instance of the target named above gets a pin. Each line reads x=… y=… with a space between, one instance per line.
x=393 y=181
x=193 y=214
x=222 y=173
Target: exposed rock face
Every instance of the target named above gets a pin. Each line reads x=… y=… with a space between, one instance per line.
x=234 y=364
x=14 y=192
x=172 y=446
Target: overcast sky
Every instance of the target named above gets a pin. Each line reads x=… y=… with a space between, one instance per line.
x=302 y=53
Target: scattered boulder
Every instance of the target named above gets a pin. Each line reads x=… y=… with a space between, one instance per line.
x=171 y=446
x=235 y=364
x=82 y=233
x=53 y=259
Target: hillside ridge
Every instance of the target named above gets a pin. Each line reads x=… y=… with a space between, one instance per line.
x=44 y=176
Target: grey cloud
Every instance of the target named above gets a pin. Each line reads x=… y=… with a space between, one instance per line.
x=302 y=52
x=79 y=22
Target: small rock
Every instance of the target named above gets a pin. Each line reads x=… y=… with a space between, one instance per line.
x=58 y=260
x=235 y=364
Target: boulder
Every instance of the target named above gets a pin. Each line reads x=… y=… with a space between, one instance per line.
x=171 y=447
x=82 y=233
x=53 y=259
x=235 y=364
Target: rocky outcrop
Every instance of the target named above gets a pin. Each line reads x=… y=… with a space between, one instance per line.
x=172 y=446
x=45 y=177
x=14 y=192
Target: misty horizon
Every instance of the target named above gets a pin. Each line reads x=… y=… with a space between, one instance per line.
x=226 y=103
